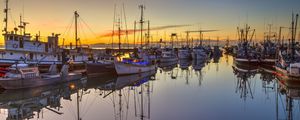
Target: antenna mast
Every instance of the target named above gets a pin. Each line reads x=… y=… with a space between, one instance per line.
x=142 y=7
x=134 y=34
x=119 y=34
x=76 y=29
x=6 y=19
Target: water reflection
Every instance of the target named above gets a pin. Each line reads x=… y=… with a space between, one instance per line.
x=244 y=85
x=184 y=64
x=31 y=103
x=167 y=66
x=25 y=104
x=184 y=90
x=287 y=102
x=120 y=95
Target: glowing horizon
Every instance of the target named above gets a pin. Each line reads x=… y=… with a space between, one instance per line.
x=52 y=16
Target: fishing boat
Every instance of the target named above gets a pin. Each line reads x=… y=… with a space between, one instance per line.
x=288 y=63
x=217 y=51
x=168 y=55
x=133 y=65
x=184 y=53
x=268 y=55
x=21 y=76
x=246 y=53
x=21 y=46
x=138 y=61
x=268 y=51
x=198 y=64
x=104 y=64
x=167 y=66
x=184 y=64
x=199 y=53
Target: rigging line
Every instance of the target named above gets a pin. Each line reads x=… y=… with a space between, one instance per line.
x=126 y=28
x=83 y=104
x=113 y=31
x=282 y=105
x=68 y=105
x=127 y=103
x=12 y=18
x=69 y=26
x=81 y=32
x=89 y=28
x=89 y=106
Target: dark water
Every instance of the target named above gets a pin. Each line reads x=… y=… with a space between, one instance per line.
x=214 y=91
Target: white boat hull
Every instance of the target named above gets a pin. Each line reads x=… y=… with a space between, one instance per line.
x=15 y=83
x=127 y=69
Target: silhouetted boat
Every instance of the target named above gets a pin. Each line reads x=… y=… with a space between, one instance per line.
x=246 y=53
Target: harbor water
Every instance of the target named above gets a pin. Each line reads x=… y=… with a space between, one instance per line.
x=187 y=90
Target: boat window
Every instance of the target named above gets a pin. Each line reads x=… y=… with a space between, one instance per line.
x=112 y=58
x=11 y=53
x=11 y=37
x=42 y=55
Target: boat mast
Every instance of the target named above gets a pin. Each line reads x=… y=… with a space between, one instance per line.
x=294 y=30
x=113 y=32
x=134 y=30
x=279 y=36
x=148 y=34
x=76 y=28
x=187 y=39
x=142 y=102
x=142 y=7
x=125 y=21
x=119 y=34
x=6 y=19
x=77 y=102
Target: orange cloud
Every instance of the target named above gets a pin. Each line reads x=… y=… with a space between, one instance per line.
x=131 y=31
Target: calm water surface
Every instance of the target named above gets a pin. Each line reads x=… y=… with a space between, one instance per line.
x=216 y=90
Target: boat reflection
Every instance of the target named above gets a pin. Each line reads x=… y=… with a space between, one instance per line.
x=287 y=101
x=268 y=80
x=244 y=84
x=198 y=64
x=184 y=64
x=167 y=66
x=119 y=92
x=22 y=104
x=31 y=103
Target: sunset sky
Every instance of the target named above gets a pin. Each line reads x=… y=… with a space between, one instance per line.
x=48 y=16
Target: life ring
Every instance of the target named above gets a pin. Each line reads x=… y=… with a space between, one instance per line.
x=15 y=46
